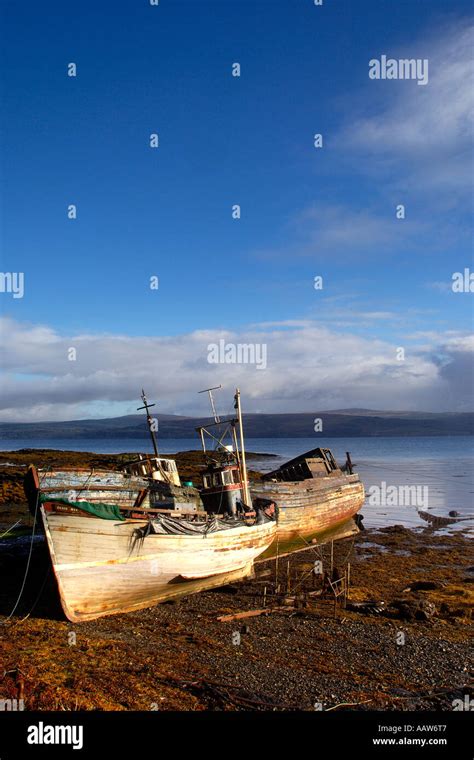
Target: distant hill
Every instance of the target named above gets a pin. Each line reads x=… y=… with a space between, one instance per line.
x=339 y=423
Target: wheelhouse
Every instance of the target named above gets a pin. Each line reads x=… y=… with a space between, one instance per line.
x=222 y=488
x=225 y=476
x=156 y=468
x=317 y=463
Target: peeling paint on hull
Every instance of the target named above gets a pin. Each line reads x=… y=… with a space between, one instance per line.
x=313 y=506
x=99 y=572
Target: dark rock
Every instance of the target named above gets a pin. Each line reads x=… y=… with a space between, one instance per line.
x=423 y=586
x=404 y=610
x=459 y=612
x=412 y=610
x=425 y=611
x=394 y=529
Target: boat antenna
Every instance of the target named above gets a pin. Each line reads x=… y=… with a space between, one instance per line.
x=150 y=421
x=217 y=419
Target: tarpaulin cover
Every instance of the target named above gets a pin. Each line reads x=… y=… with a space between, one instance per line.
x=105 y=511
x=176 y=527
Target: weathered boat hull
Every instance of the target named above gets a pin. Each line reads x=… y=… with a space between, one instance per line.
x=282 y=547
x=76 y=484
x=109 y=487
x=312 y=507
x=101 y=570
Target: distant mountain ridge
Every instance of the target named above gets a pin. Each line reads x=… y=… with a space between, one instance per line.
x=339 y=423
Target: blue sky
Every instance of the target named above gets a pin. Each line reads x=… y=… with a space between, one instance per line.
x=226 y=140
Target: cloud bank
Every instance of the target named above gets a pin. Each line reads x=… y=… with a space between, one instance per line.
x=309 y=367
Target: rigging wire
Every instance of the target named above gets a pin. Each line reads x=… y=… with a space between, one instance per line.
x=27 y=564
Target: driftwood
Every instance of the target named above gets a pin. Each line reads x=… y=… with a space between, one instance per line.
x=288 y=605
x=253 y=613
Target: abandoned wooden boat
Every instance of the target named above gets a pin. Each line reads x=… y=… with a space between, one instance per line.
x=106 y=561
x=120 y=541
x=314 y=495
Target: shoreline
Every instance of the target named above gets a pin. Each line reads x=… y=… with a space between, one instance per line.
x=449 y=490
x=409 y=653
x=401 y=643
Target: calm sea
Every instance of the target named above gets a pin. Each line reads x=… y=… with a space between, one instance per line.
x=439 y=470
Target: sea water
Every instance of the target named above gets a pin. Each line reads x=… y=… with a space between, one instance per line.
x=438 y=469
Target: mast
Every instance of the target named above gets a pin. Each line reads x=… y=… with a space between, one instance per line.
x=245 y=484
x=149 y=418
x=217 y=419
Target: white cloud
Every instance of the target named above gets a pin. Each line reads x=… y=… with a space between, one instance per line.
x=429 y=129
x=340 y=231
x=309 y=367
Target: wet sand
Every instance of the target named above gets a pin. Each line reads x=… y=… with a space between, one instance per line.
x=401 y=643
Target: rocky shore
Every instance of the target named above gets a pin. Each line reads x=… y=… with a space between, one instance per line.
x=272 y=643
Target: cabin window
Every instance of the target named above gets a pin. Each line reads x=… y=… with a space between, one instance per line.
x=236 y=476
x=227 y=477
x=330 y=459
x=206 y=481
x=216 y=481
